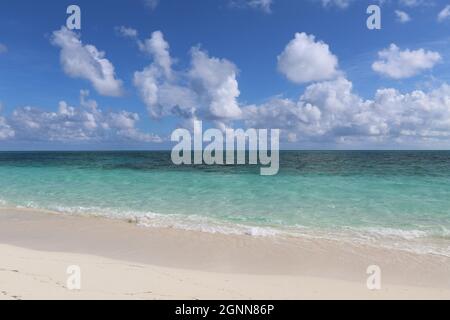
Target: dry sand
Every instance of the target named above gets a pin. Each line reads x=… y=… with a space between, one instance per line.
x=119 y=260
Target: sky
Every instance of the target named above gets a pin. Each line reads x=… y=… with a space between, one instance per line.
x=139 y=69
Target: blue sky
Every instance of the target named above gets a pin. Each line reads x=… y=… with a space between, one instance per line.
x=232 y=63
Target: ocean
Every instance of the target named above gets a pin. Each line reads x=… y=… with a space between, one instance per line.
x=395 y=199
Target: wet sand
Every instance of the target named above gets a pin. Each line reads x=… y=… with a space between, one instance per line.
x=120 y=260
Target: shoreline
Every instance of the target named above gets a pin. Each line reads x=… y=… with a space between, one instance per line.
x=411 y=241
x=236 y=267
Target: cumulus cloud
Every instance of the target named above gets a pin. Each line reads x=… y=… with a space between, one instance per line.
x=306 y=60
x=86 y=122
x=402 y=16
x=86 y=62
x=330 y=111
x=208 y=89
x=398 y=64
x=444 y=14
x=214 y=82
x=323 y=109
x=155 y=47
x=158 y=48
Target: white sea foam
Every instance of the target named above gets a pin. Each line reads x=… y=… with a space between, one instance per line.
x=172 y=221
x=203 y=224
x=417 y=241
x=393 y=233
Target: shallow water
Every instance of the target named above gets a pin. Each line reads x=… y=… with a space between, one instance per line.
x=401 y=199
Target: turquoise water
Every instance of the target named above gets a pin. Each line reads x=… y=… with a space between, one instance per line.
x=399 y=199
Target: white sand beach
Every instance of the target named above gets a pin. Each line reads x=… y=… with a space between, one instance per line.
x=119 y=260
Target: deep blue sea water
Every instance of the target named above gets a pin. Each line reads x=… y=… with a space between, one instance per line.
x=399 y=199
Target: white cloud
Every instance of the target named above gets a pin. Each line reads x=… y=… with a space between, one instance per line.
x=444 y=14
x=126 y=32
x=413 y=3
x=3 y=48
x=6 y=132
x=343 y=4
x=338 y=3
x=86 y=62
x=152 y=4
x=262 y=5
x=208 y=89
x=152 y=89
x=158 y=48
x=398 y=64
x=214 y=81
x=69 y=124
x=328 y=111
x=402 y=16
x=306 y=60
x=154 y=47
x=323 y=108
x=331 y=112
